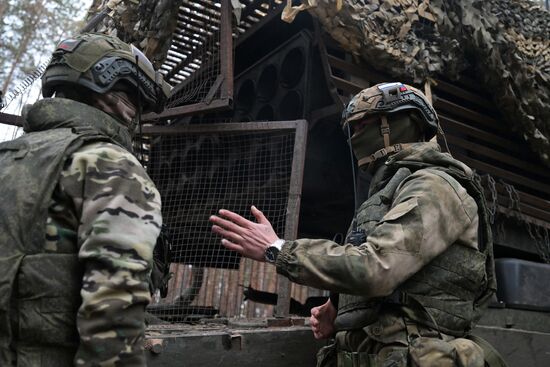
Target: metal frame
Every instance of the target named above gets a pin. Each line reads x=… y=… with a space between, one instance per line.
x=9 y=119
x=295 y=189
x=223 y=83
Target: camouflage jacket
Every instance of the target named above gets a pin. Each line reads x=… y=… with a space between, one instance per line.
x=415 y=212
x=103 y=212
x=389 y=256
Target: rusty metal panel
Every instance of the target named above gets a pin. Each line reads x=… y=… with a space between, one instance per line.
x=233 y=346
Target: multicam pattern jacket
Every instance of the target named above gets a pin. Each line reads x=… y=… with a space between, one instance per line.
x=100 y=227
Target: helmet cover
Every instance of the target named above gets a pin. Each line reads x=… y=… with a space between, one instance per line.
x=388 y=98
x=102 y=63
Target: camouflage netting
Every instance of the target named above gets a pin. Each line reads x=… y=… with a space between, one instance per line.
x=148 y=24
x=505 y=41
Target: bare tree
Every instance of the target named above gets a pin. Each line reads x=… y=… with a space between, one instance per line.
x=29 y=30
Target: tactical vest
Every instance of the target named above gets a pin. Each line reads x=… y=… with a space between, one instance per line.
x=449 y=293
x=39 y=292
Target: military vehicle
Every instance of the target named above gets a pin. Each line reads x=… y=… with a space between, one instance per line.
x=254 y=119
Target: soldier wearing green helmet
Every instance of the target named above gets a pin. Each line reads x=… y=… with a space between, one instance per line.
x=80 y=215
x=416 y=269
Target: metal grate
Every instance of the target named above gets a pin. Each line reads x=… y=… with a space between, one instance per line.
x=196 y=41
x=200 y=169
x=200 y=59
x=199 y=62
x=193 y=60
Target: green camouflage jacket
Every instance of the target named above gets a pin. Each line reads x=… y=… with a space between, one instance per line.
x=104 y=212
x=396 y=248
x=424 y=245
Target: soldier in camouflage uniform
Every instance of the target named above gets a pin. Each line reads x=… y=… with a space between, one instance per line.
x=417 y=266
x=80 y=216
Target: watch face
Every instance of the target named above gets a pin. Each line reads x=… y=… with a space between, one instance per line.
x=271 y=254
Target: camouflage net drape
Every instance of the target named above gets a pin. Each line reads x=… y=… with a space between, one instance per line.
x=507 y=41
x=148 y=24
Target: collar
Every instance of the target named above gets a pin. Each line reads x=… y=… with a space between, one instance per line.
x=55 y=113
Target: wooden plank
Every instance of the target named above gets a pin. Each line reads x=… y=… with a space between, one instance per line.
x=234 y=347
x=463 y=93
x=534 y=201
x=207 y=4
x=201 y=17
x=355 y=70
x=248 y=32
x=499 y=172
x=200 y=23
x=473 y=116
x=505 y=201
x=346 y=85
x=449 y=122
x=499 y=156
x=529 y=219
x=216 y=105
x=293 y=211
x=192 y=34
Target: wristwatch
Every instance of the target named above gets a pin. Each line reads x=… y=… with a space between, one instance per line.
x=272 y=251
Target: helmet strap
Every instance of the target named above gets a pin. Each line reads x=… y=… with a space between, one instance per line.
x=385 y=130
x=381 y=153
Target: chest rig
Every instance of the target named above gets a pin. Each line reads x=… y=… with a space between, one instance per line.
x=448 y=293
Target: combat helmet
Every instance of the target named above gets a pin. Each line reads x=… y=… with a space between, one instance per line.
x=372 y=106
x=102 y=63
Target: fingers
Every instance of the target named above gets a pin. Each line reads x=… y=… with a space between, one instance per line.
x=235 y=237
x=313 y=321
x=260 y=217
x=236 y=218
x=226 y=224
x=232 y=246
x=315 y=312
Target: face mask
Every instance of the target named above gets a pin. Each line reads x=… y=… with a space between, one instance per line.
x=117 y=104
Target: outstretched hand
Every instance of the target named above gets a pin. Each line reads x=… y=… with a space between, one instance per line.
x=322 y=320
x=246 y=237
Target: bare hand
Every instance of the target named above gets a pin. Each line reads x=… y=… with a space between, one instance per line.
x=322 y=320
x=239 y=234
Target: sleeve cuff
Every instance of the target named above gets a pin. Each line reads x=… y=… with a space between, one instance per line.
x=283 y=258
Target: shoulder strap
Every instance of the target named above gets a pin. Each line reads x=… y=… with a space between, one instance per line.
x=492 y=356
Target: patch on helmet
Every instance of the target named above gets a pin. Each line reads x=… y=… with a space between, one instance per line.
x=69 y=45
x=391 y=91
x=384 y=86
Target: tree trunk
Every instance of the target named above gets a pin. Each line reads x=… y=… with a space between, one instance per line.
x=29 y=29
x=27 y=36
x=3 y=8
